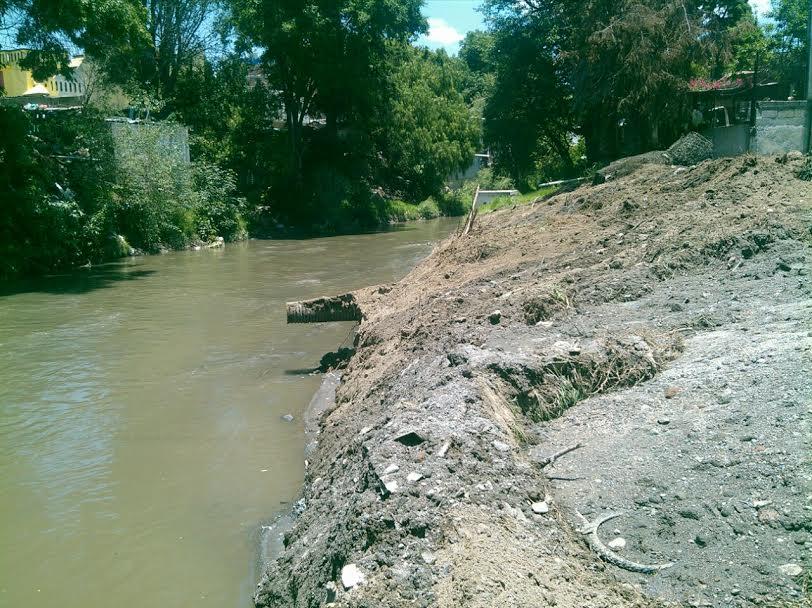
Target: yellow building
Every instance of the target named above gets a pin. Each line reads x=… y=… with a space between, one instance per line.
x=20 y=86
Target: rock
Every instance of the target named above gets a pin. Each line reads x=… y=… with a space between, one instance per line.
x=351 y=576
x=216 y=243
x=690 y=514
x=768 y=516
x=501 y=446
x=495 y=317
x=427 y=557
x=790 y=569
x=410 y=438
x=413 y=477
x=330 y=591
x=616 y=543
x=663 y=421
x=391 y=486
x=671 y=392
x=539 y=508
x=675 y=308
x=701 y=541
x=726 y=396
x=288 y=418
x=392 y=468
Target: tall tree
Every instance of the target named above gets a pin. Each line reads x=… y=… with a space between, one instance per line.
x=425 y=132
x=325 y=57
x=529 y=107
x=790 y=41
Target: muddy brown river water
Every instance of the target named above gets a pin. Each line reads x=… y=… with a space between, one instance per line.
x=141 y=439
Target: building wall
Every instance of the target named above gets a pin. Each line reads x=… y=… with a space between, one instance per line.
x=780 y=127
x=729 y=141
x=60 y=90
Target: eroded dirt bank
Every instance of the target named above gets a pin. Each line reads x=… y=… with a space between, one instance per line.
x=661 y=324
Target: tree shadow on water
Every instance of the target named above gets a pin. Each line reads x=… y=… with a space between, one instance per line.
x=76 y=281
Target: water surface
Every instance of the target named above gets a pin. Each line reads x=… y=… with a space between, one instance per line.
x=141 y=440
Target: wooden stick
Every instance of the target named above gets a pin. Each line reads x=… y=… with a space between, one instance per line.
x=551 y=459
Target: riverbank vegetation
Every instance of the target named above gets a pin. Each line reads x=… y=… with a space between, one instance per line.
x=325 y=117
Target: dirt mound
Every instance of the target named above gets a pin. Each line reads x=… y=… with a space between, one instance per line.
x=585 y=354
x=691 y=149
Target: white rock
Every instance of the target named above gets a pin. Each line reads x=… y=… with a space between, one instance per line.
x=540 y=507
x=429 y=558
x=501 y=446
x=392 y=468
x=351 y=576
x=391 y=486
x=365 y=430
x=412 y=477
x=790 y=569
x=616 y=543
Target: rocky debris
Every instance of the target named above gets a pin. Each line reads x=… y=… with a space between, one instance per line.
x=287 y=418
x=616 y=544
x=495 y=317
x=790 y=569
x=351 y=576
x=540 y=508
x=336 y=360
x=691 y=149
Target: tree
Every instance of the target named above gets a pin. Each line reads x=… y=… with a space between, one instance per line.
x=427 y=132
x=325 y=57
x=529 y=106
x=626 y=63
x=790 y=40
x=51 y=27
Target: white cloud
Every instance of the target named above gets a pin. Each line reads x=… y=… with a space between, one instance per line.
x=760 y=7
x=442 y=33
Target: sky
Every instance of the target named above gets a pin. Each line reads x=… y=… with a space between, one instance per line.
x=450 y=20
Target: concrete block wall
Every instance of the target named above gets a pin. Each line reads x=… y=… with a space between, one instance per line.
x=780 y=127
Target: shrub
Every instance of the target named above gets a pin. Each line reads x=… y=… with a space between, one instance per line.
x=429 y=209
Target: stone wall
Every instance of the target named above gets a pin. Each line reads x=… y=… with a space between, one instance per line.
x=780 y=127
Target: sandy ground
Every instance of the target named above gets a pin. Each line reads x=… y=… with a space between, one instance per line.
x=660 y=322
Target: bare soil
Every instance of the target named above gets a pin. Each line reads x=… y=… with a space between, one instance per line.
x=660 y=322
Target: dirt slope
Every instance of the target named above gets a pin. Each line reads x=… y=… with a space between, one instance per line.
x=661 y=322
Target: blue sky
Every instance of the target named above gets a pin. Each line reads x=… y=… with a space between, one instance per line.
x=450 y=20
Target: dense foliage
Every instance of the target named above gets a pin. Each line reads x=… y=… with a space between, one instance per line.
x=615 y=72
x=73 y=194
x=322 y=115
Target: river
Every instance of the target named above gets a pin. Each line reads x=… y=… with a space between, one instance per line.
x=142 y=443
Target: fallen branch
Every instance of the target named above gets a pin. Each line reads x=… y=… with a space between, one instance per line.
x=551 y=459
x=590 y=529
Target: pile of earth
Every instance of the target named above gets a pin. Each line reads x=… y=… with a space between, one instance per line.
x=641 y=346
